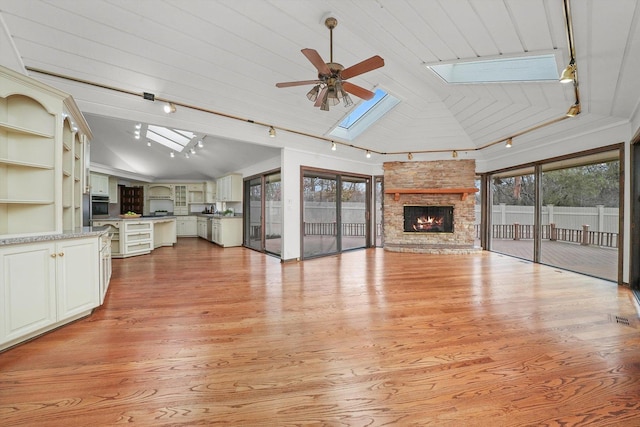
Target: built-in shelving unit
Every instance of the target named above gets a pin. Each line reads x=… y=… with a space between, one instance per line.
x=38 y=124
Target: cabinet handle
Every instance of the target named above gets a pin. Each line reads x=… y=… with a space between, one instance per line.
x=53 y=255
x=61 y=254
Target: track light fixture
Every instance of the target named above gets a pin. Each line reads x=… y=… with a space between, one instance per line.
x=509 y=143
x=410 y=156
x=148 y=143
x=192 y=151
x=172 y=154
x=200 y=143
x=272 y=132
x=368 y=155
x=569 y=73
x=334 y=146
x=574 y=110
x=170 y=108
x=454 y=154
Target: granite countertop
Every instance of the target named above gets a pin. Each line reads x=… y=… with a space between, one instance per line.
x=70 y=234
x=139 y=218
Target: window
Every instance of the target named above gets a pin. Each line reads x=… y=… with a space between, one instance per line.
x=515 y=69
x=364 y=115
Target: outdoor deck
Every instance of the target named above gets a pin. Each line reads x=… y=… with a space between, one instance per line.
x=592 y=260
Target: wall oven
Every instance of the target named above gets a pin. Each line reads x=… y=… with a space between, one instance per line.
x=99 y=206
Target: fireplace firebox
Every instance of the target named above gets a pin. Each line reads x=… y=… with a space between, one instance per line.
x=428 y=219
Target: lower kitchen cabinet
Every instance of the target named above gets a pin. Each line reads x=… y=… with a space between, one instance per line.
x=227 y=231
x=202 y=227
x=187 y=226
x=45 y=285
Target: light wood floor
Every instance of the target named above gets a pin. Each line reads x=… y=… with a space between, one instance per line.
x=199 y=335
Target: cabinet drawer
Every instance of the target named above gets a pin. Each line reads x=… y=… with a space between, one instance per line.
x=136 y=247
x=137 y=226
x=138 y=237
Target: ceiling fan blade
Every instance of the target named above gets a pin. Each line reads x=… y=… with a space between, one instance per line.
x=320 y=97
x=314 y=57
x=358 y=91
x=300 y=83
x=362 y=67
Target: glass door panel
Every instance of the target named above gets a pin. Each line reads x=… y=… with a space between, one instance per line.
x=253 y=213
x=580 y=215
x=273 y=213
x=379 y=188
x=513 y=213
x=353 y=213
x=319 y=216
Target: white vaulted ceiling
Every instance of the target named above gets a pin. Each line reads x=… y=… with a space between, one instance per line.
x=225 y=56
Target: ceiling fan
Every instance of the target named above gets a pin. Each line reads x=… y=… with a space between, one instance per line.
x=330 y=86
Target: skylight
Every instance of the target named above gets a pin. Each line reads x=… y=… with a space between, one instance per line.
x=172 y=138
x=364 y=115
x=515 y=69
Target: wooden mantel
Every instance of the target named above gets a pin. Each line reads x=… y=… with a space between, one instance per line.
x=462 y=191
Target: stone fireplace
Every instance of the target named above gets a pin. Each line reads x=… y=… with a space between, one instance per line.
x=429 y=207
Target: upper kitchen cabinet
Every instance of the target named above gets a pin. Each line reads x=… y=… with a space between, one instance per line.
x=210 y=190
x=229 y=188
x=38 y=125
x=99 y=185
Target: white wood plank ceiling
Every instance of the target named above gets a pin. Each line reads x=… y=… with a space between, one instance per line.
x=227 y=55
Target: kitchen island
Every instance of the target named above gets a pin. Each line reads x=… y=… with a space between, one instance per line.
x=139 y=236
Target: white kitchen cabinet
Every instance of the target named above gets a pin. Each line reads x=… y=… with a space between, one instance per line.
x=227 y=231
x=202 y=226
x=99 y=184
x=210 y=191
x=45 y=285
x=229 y=188
x=180 y=201
x=137 y=237
x=39 y=194
x=187 y=226
x=113 y=190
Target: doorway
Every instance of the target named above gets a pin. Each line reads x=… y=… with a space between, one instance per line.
x=263 y=213
x=335 y=212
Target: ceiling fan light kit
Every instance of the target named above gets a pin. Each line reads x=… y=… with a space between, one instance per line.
x=331 y=86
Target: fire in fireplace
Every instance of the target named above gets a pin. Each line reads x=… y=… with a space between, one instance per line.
x=428 y=219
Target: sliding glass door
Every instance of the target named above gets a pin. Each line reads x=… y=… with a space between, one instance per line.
x=253 y=215
x=564 y=212
x=263 y=213
x=335 y=214
x=580 y=215
x=513 y=213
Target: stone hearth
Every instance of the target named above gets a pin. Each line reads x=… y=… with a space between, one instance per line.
x=436 y=183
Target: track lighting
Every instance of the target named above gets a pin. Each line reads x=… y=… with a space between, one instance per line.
x=136 y=134
x=272 y=132
x=200 y=143
x=574 y=110
x=368 y=155
x=148 y=143
x=192 y=151
x=138 y=126
x=569 y=73
x=334 y=146
x=509 y=143
x=454 y=154
x=172 y=154
x=170 y=108
x=186 y=155
x=410 y=156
